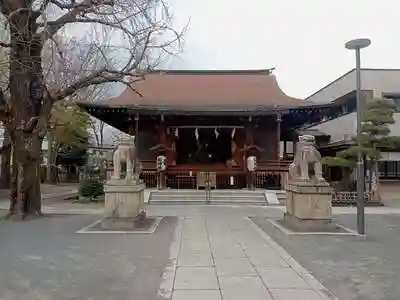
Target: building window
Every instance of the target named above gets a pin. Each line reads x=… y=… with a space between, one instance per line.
x=394 y=97
x=396 y=101
x=389 y=169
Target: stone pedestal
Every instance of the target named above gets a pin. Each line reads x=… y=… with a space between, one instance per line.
x=124 y=205
x=309 y=205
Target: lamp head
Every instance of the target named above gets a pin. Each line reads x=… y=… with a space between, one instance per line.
x=357 y=44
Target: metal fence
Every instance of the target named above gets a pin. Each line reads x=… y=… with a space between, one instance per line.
x=219 y=179
x=348 y=198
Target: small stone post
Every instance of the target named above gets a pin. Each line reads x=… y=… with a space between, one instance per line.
x=161 y=168
x=251 y=163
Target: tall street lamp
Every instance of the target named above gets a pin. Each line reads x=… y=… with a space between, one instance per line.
x=357 y=45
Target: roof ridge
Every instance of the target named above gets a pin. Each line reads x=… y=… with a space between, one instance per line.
x=346 y=74
x=212 y=71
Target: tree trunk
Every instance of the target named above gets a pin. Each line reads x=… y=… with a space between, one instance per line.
x=347 y=183
x=26 y=198
x=13 y=184
x=25 y=70
x=5 y=176
x=369 y=171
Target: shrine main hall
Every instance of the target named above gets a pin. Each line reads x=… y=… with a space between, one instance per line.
x=209 y=122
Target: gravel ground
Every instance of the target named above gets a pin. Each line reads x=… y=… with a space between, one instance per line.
x=46 y=259
x=353 y=268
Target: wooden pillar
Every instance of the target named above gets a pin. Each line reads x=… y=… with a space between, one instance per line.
x=249 y=143
x=173 y=146
x=137 y=161
x=162 y=132
x=284 y=180
x=249 y=133
x=284 y=150
x=164 y=140
x=295 y=139
x=278 y=135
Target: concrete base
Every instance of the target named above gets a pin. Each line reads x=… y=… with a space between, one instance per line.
x=309 y=205
x=309 y=225
x=124 y=204
x=124 y=223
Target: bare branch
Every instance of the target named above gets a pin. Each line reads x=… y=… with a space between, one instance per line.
x=128 y=38
x=5 y=45
x=98 y=78
x=75 y=10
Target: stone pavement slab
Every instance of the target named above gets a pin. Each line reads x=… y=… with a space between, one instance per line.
x=196 y=278
x=234 y=267
x=284 y=294
x=282 y=279
x=195 y=260
x=197 y=295
x=228 y=258
x=236 y=288
x=352 y=267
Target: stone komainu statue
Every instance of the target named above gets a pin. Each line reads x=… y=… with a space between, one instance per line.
x=125 y=153
x=306 y=155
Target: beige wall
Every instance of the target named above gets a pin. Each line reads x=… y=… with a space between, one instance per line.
x=340 y=129
x=378 y=81
x=344 y=127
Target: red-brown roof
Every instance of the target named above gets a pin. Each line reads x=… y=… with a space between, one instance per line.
x=203 y=88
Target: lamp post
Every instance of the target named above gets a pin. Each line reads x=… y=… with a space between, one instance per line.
x=357 y=45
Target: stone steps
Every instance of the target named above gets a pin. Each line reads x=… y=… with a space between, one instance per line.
x=280 y=197
x=237 y=197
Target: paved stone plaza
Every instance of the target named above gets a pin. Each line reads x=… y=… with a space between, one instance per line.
x=198 y=252
x=354 y=268
x=46 y=259
x=230 y=258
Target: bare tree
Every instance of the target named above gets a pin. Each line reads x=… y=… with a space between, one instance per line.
x=141 y=35
x=5 y=150
x=94 y=94
x=79 y=55
x=97 y=128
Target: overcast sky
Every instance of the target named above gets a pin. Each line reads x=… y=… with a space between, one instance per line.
x=303 y=39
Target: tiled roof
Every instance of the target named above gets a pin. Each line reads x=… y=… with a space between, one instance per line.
x=207 y=88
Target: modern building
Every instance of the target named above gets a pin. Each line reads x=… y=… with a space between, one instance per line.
x=375 y=84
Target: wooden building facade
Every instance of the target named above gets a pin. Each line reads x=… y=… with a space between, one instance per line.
x=206 y=123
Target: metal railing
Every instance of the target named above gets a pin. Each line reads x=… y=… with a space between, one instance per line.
x=348 y=198
x=270 y=174
x=216 y=180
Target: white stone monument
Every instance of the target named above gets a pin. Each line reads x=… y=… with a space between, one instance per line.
x=309 y=196
x=124 y=197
